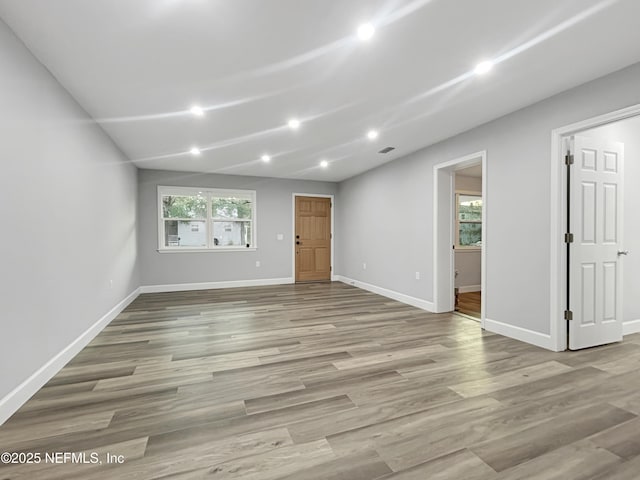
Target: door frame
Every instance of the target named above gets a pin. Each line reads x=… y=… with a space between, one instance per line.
x=558 y=216
x=293 y=230
x=443 y=253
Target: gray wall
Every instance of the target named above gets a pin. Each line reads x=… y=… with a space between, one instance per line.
x=274 y=215
x=68 y=213
x=468 y=267
x=518 y=197
x=628 y=132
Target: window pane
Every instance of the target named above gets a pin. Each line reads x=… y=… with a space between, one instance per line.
x=174 y=206
x=231 y=208
x=470 y=207
x=231 y=234
x=179 y=233
x=470 y=234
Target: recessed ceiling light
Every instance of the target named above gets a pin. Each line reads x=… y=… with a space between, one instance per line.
x=265 y=158
x=324 y=164
x=197 y=111
x=195 y=151
x=483 y=67
x=366 y=31
x=294 y=124
x=372 y=134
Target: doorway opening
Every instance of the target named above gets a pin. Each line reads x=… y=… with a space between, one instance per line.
x=460 y=220
x=467 y=248
x=594 y=231
x=312 y=238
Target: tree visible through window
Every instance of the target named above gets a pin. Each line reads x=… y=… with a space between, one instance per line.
x=469 y=220
x=231 y=221
x=206 y=218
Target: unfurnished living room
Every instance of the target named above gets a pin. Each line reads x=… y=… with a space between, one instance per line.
x=320 y=239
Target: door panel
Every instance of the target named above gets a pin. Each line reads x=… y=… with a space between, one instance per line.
x=313 y=239
x=595 y=273
x=588 y=294
x=609 y=291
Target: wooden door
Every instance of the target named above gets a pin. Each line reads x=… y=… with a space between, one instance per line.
x=595 y=255
x=313 y=239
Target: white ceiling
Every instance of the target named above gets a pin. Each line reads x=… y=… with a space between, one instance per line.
x=137 y=66
x=474 y=171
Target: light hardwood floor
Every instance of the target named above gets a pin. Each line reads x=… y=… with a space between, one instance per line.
x=470 y=303
x=328 y=382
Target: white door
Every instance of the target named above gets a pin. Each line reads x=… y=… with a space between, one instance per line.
x=595 y=260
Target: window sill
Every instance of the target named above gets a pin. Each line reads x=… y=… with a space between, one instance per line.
x=468 y=249
x=205 y=250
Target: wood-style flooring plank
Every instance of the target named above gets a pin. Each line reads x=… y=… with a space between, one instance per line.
x=461 y=464
x=581 y=460
x=327 y=382
x=271 y=465
x=515 y=377
x=554 y=433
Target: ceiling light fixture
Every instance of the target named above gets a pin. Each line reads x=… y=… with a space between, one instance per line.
x=195 y=151
x=366 y=31
x=197 y=111
x=324 y=164
x=372 y=134
x=294 y=124
x=483 y=67
x=265 y=158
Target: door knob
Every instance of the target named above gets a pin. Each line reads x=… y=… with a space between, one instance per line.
x=623 y=252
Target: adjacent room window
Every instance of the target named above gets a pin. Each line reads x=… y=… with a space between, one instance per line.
x=469 y=221
x=206 y=219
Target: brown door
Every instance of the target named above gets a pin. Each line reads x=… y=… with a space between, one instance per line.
x=313 y=239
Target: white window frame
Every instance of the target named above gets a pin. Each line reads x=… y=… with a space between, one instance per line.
x=209 y=193
x=458 y=222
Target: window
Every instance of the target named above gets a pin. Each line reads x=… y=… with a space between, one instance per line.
x=206 y=219
x=469 y=221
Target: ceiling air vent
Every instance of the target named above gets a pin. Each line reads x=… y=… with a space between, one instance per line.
x=387 y=149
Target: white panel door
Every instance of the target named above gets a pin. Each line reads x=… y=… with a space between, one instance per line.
x=595 y=265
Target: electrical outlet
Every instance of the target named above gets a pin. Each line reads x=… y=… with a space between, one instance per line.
x=280 y=236
x=110 y=283
x=417 y=275
x=257 y=263
x=364 y=266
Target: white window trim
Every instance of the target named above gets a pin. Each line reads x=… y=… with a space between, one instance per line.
x=465 y=248
x=209 y=220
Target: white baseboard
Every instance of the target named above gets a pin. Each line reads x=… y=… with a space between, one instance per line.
x=519 y=333
x=401 y=297
x=470 y=288
x=23 y=392
x=632 y=326
x=183 y=287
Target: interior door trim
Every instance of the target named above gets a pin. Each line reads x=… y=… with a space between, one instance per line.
x=557 y=268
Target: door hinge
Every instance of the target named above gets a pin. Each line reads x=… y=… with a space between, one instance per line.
x=568 y=159
x=568 y=238
x=331 y=269
x=568 y=315
x=330 y=236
